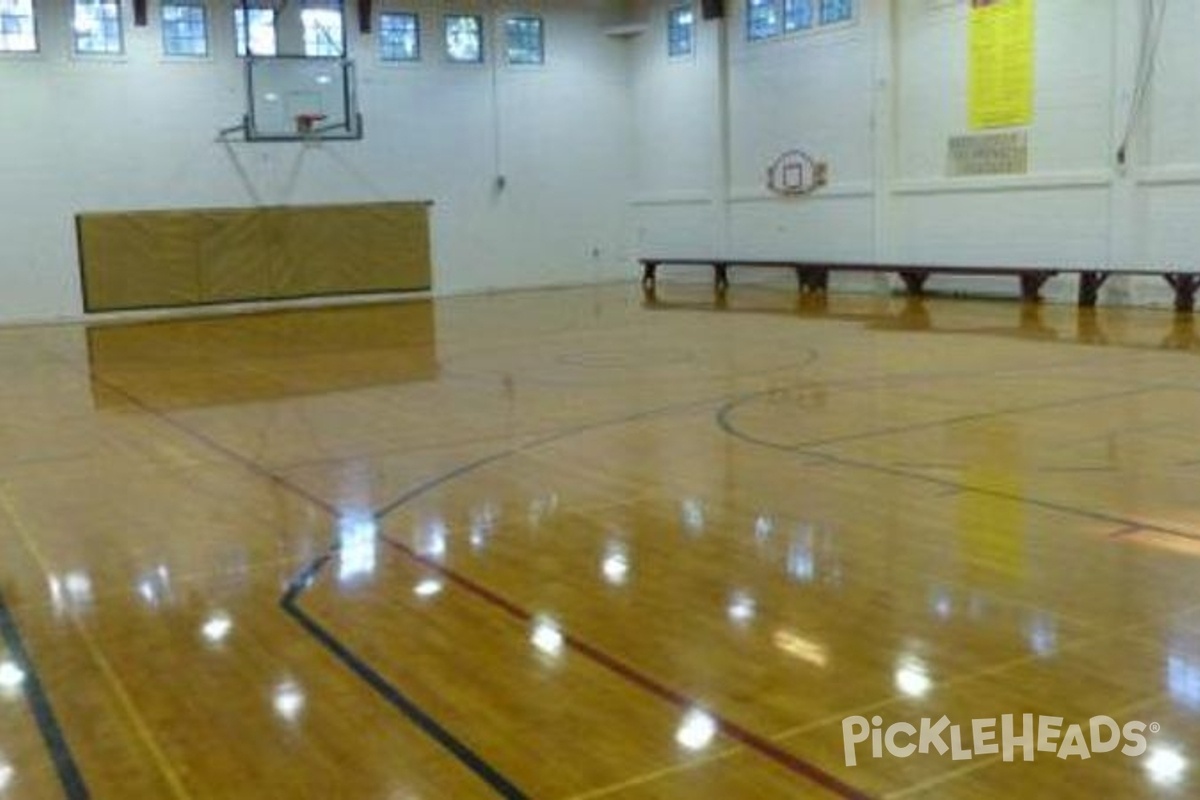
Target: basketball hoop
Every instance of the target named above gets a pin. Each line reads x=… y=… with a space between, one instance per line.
x=306 y=123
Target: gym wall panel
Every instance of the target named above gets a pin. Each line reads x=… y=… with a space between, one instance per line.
x=161 y=259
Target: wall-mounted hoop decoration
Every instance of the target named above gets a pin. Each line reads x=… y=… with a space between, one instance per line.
x=795 y=172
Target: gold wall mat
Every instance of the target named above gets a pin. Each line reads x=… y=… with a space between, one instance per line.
x=164 y=259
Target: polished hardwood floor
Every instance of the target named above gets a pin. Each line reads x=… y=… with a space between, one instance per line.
x=584 y=544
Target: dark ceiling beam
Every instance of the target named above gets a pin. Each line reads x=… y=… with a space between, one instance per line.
x=364 y=16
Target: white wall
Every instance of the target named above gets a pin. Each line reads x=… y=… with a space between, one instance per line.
x=614 y=149
x=139 y=131
x=879 y=100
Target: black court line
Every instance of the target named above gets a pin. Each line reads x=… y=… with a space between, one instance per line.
x=69 y=776
x=756 y=743
x=394 y=697
x=213 y=444
x=729 y=408
x=810 y=357
x=725 y=423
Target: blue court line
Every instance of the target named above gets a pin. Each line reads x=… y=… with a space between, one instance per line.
x=397 y=699
x=43 y=714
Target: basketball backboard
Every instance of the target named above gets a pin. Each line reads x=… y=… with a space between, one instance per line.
x=292 y=98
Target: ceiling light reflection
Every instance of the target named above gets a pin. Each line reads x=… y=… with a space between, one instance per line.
x=542 y=507
x=742 y=607
x=6 y=775
x=433 y=539
x=11 y=676
x=615 y=565
x=547 y=637
x=800 y=562
x=289 y=701
x=942 y=603
x=1165 y=765
x=77 y=588
x=797 y=646
x=912 y=677
x=764 y=526
x=692 y=513
x=1183 y=680
x=428 y=588
x=483 y=521
x=357 y=546
x=217 y=627
x=697 y=730
x=1043 y=635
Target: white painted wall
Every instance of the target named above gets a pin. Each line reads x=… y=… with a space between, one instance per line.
x=880 y=98
x=613 y=148
x=139 y=132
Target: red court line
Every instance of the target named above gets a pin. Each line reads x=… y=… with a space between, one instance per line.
x=759 y=744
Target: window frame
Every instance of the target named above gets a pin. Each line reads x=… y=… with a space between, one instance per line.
x=316 y=42
x=672 y=25
x=541 y=40
x=816 y=19
x=819 y=15
x=206 y=22
x=74 y=37
x=419 y=54
x=480 y=24
x=6 y=52
x=241 y=51
x=813 y=17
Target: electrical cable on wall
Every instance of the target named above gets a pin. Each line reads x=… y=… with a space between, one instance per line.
x=1153 y=12
x=500 y=180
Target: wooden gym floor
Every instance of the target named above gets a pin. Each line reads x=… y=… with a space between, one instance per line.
x=565 y=544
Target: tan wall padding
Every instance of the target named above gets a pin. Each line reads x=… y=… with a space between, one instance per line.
x=152 y=259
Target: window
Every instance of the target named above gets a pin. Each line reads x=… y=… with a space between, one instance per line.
x=184 y=29
x=18 y=31
x=255 y=31
x=525 y=42
x=399 y=37
x=797 y=15
x=769 y=18
x=96 y=27
x=762 y=17
x=322 y=31
x=464 y=38
x=681 y=25
x=834 y=11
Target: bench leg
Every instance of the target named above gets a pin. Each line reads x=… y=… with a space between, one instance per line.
x=1185 y=286
x=914 y=281
x=649 y=275
x=1089 y=287
x=1031 y=285
x=720 y=277
x=818 y=280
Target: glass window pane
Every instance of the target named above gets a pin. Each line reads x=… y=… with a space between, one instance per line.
x=797 y=15
x=762 y=19
x=18 y=31
x=464 y=38
x=524 y=36
x=258 y=28
x=184 y=29
x=833 y=11
x=322 y=31
x=96 y=27
x=681 y=23
x=399 y=37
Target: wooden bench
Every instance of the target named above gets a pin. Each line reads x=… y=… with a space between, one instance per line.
x=813 y=276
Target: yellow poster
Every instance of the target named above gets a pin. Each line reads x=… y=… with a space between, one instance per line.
x=1000 y=83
